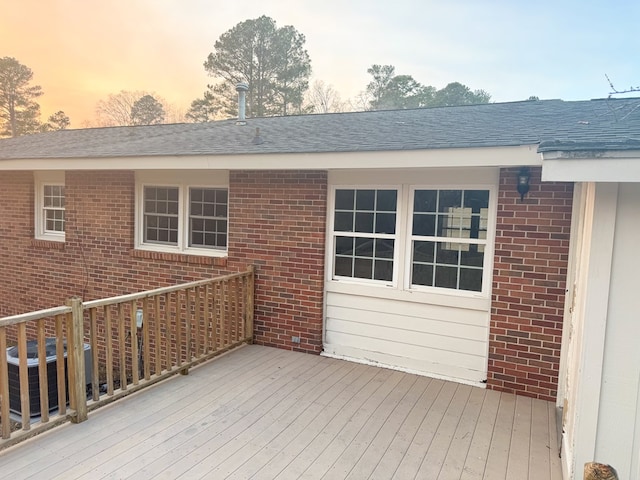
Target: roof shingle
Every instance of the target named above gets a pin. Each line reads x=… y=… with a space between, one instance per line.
x=552 y=124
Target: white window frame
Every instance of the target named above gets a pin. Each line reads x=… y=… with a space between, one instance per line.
x=42 y=180
x=402 y=261
x=488 y=242
x=183 y=182
x=397 y=238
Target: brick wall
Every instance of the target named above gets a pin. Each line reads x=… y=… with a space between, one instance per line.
x=279 y=222
x=531 y=255
x=276 y=222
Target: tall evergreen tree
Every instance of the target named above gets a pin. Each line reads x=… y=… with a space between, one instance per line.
x=271 y=60
x=19 y=112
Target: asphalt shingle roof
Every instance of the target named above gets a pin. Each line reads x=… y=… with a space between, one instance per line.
x=552 y=124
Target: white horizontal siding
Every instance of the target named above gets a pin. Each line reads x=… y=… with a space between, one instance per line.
x=437 y=340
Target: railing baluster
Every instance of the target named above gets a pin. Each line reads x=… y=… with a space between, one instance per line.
x=207 y=319
x=145 y=339
x=223 y=316
x=4 y=386
x=122 y=346
x=249 y=303
x=178 y=328
x=167 y=329
x=188 y=320
x=109 y=353
x=197 y=291
x=158 y=339
x=42 y=373
x=95 y=366
x=24 y=379
x=60 y=364
x=133 y=325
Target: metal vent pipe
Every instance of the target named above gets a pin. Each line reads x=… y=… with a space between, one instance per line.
x=242 y=89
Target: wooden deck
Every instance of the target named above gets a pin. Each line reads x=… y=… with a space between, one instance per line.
x=264 y=413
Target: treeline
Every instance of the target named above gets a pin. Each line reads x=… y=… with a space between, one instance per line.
x=271 y=59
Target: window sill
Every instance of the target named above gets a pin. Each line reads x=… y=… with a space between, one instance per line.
x=47 y=244
x=180 y=258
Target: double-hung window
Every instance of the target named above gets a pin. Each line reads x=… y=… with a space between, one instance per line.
x=448 y=238
x=412 y=238
x=365 y=233
x=183 y=217
x=49 y=206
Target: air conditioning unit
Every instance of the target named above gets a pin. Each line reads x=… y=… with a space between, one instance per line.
x=13 y=367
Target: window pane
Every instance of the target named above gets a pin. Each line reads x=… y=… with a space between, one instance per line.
x=449 y=199
x=471 y=279
x=343 y=266
x=364 y=247
x=384 y=248
x=363 y=268
x=343 y=222
x=365 y=199
x=383 y=270
x=422 y=275
x=345 y=199
x=447 y=253
x=473 y=256
x=424 y=225
x=446 y=277
x=476 y=200
x=385 y=223
x=425 y=200
x=344 y=245
x=364 y=222
x=387 y=201
x=423 y=252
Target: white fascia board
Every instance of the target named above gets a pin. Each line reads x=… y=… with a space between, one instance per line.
x=608 y=167
x=450 y=157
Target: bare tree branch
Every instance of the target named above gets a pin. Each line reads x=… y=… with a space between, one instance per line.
x=615 y=91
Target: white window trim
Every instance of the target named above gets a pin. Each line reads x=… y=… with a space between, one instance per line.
x=489 y=242
x=397 y=237
x=402 y=254
x=183 y=182
x=42 y=179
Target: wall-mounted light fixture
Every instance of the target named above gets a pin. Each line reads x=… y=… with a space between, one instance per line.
x=523 y=182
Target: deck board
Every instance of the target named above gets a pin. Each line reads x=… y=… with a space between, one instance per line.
x=264 y=413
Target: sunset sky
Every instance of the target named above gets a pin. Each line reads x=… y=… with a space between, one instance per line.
x=82 y=50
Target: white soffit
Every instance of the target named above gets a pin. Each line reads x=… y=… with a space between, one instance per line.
x=453 y=157
x=608 y=167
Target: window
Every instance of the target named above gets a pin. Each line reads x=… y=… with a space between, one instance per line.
x=49 y=206
x=182 y=217
x=412 y=238
x=448 y=238
x=365 y=233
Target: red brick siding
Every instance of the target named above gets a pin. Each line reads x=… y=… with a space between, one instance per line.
x=531 y=254
x=279 y=221
x=276 y=222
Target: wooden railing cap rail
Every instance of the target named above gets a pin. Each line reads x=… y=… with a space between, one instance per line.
x=159 y=291
x=37 y=315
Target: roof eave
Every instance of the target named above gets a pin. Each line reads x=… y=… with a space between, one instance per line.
x=425 y=158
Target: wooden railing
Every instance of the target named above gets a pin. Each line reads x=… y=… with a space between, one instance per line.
x=115 y=346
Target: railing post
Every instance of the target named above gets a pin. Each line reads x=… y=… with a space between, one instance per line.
x=75 y=361
x=248 y=302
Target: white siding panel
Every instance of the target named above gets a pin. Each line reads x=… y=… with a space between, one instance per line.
x=436 y=340
x=394 y=329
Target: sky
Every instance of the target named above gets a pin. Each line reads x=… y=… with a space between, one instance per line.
x=80 y=51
